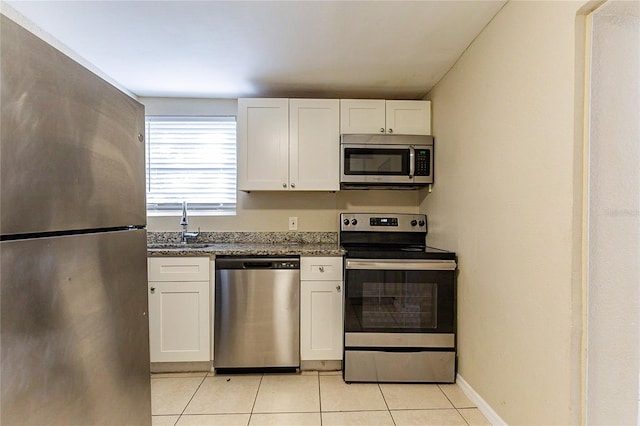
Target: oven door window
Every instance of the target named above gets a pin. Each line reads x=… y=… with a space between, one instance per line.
x=376 y=161
x=399 y=301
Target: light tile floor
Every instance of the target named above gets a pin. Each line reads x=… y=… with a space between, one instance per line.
x=304 y=399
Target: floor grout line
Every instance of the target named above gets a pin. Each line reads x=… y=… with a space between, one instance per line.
x=386 y=404
x=454 y=405
x=320 y=398
x=190 y=399
x=255 y=399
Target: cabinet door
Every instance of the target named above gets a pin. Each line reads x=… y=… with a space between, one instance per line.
x=179 y=321
x=263 y=144
x=321 y=320
x=362 y=116
x=408 y=117
x=314 y=144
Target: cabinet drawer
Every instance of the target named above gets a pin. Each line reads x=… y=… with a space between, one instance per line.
x=178 y=268
x=321 y=268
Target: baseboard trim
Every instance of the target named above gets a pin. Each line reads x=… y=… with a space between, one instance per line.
x=482 y=405
x=180 y=367
x=332 y=365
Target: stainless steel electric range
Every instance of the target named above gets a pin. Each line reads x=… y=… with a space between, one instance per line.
x=400 y=301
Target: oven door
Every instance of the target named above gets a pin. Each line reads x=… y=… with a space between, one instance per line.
x=400 y=321
x=390 y=296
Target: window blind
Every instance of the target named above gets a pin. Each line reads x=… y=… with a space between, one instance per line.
x=191 y=159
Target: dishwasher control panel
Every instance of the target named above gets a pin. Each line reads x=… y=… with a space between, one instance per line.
x=292 y=264
x=257 y=262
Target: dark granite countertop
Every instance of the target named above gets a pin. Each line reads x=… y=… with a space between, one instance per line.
x=245 y=249
x=246 y=244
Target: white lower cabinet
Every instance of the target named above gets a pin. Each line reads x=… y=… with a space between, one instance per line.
x=321 y=326
x=179 y=303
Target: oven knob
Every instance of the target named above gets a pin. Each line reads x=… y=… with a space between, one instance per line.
x=414 y=222
x=346 y=221
x=354 y=222
x=421 y=223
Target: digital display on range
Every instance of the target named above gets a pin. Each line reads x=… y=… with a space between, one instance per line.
x=383 y=221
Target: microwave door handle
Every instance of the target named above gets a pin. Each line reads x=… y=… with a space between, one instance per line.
x=412 y=162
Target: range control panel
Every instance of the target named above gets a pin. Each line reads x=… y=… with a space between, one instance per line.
x=382 y=222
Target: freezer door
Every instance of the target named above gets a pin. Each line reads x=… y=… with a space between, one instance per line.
x=74 y=339
x=72 y=145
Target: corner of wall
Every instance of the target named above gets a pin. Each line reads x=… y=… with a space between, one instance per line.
x=30 y=26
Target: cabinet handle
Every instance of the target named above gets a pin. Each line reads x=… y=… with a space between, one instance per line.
x=381 y=129
x=338 y=288
x=293 y=185
x=321 y=269
x=390 y=130
x=153 y=290
x=284 y=185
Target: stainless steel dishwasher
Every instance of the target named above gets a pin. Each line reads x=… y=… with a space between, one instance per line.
x=257 y=313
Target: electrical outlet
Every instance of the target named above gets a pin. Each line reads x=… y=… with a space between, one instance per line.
x=293 y=223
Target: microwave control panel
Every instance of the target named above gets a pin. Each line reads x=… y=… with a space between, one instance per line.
x=422 y=162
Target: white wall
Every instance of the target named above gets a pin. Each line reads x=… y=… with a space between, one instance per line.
x=21 y=20
x=318 y=212
x=270 y=211
x=614 y=216
x=507 y=120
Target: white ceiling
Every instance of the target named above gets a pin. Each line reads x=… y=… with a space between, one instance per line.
x=230 y=49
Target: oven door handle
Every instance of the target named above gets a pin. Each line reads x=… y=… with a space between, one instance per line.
x=402 y=264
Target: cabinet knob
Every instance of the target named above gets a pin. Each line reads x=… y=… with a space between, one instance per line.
x=293 y=185
x=321 y=269
x=338 y=288
x=284 y=185
x=390 y=130
x=153 y=290
x=381 y=129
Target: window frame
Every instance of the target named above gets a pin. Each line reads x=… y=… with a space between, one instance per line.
x=220 y=207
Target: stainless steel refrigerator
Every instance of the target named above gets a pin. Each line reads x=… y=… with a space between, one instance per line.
x=74 y=345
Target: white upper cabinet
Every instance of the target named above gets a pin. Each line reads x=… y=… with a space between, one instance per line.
x=362 y=116
x=288 y=144
x=263 y=144
x=314 y=140
x=408 y=117
x=389 y=117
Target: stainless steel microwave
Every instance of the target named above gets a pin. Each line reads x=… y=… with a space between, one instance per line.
x=385 y=161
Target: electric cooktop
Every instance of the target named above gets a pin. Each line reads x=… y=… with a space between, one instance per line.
x=388 y=236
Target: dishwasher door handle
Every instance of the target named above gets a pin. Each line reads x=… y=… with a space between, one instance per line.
x=247 y=263
x=258 y=265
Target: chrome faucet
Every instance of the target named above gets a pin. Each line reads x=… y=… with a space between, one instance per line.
x=184 y=222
